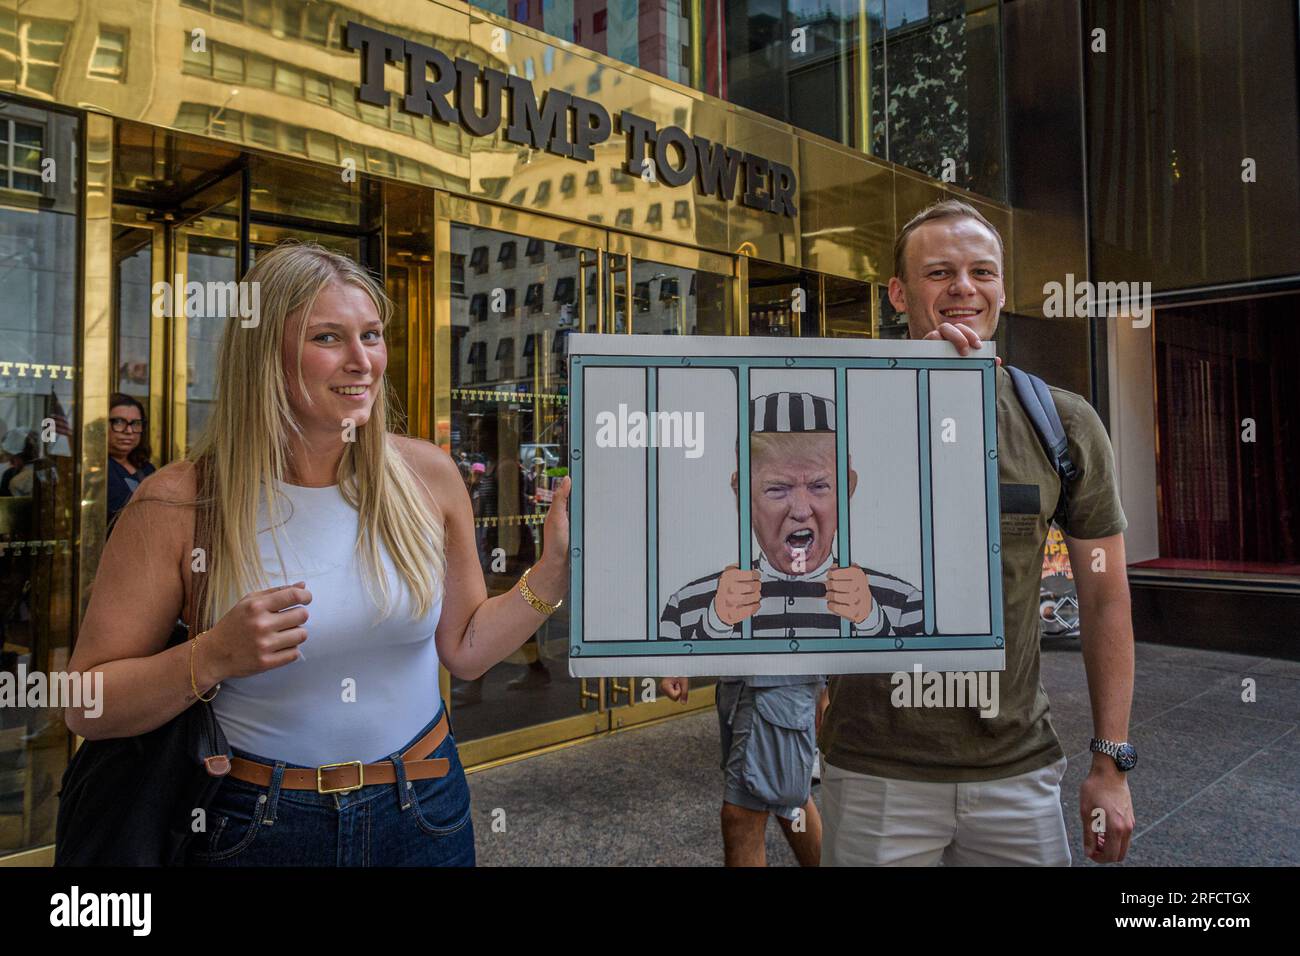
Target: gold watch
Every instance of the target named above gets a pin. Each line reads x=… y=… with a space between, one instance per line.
x=533 y=599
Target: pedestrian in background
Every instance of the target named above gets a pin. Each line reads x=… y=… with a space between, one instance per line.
x=128 y=452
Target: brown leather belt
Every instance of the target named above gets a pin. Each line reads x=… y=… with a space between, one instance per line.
x=352 y=775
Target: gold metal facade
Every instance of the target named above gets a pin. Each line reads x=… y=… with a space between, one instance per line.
x=284 y=82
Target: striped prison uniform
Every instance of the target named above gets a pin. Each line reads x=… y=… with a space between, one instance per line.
x=792 y=606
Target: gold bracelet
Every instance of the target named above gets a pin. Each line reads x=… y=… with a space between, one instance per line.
x=533 y=599
x=193 y=685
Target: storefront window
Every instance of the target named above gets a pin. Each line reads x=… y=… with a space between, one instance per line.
x=788 y=302
x=509 y=438
x=38 y=479
x=848 y=307
x=783 y=301
x=892 y=324
x=671 y=299
x=1228 y=455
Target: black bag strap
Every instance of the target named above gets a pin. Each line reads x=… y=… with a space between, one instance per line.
x=189 y=622
x=213 y=749
x=1036 y=399
x=204 y=510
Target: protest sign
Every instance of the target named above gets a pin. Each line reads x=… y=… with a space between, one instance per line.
x=855 y=480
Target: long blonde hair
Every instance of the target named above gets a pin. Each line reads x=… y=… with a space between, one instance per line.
x=245 y=444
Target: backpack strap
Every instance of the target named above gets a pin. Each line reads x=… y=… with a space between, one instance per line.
x=1036 y=399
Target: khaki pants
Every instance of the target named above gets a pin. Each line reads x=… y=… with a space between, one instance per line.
x=876 y=821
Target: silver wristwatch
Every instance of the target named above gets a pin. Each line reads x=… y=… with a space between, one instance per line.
x=1124 y=755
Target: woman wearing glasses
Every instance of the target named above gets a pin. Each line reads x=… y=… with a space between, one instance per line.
x=128 y=452
x=341 y=571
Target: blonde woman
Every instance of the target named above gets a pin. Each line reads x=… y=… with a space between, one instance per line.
x=342 y=569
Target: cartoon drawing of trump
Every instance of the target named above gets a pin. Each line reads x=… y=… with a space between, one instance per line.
x=794 y=588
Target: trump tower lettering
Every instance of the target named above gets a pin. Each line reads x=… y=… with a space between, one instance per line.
x=758 y=506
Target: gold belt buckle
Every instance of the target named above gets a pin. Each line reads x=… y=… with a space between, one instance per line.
x=320 y=782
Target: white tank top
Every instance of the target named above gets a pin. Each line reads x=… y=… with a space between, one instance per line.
x=363 y=687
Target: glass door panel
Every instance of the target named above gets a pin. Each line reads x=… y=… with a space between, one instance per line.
x=784 y=301
x=263 y=238
x=41 y=413
x=139 y=336
x=207 y=250
x=518 y=286
x=847 y=303
x=133 y=275
x=674 y=290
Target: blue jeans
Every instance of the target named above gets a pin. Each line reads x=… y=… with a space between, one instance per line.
x=405 y=823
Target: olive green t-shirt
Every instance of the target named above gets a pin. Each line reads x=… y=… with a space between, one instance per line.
x=863 y=731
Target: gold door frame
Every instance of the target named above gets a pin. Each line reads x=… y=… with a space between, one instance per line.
x=178 y=360
x=432 y=418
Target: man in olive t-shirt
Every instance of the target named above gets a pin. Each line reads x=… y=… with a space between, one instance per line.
x=920 y=785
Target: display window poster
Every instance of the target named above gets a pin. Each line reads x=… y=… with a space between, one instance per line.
x=1058 y=602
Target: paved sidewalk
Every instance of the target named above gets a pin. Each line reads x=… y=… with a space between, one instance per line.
x=1218 y=782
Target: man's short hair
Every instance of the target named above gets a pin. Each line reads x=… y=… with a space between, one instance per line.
x=944 y=209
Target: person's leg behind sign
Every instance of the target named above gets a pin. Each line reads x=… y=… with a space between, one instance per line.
x=767 y=745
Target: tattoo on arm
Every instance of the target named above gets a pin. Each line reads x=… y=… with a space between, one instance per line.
x=469 y=638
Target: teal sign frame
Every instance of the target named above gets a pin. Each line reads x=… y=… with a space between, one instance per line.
x=652 y=645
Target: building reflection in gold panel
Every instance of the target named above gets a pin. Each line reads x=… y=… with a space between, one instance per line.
x=600 y=191
x=279 y=77
x=768 y=235
x=912 y=193
x=846 y=212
